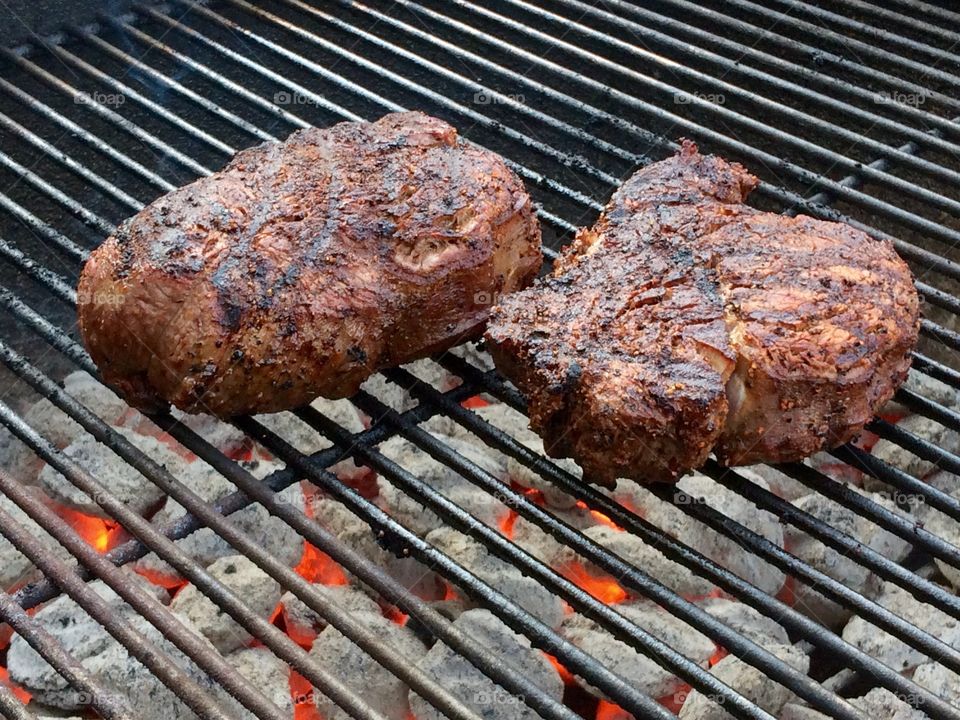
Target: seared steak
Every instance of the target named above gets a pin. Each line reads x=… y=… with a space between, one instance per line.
x=304 y=266
x=686 y=322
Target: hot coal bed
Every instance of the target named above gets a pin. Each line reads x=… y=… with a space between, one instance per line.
x=411 y=552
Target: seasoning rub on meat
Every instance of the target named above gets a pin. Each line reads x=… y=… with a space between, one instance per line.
x=685 y=322
x=304 y=266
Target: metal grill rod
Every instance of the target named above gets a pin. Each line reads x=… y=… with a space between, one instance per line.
x=875 y=51
x=761 y=546
x=493 y=667
x=140 y=600
x=512 y=614
x=824 y=58
x=847 y=545
x=533 y=176
x=828 y=128
x=105 y=113
x=704 y=567
x=926 y=450
x=276 y=640
x=869 y=202
x=929 y=139
x=582 y=601
x=865 y=608
x=901 y=19
x=10 y=707
x=172 y=676
x=108 y=704
x=786 y=197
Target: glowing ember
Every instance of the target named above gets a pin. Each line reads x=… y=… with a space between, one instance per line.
x=609 y=711
x=164 y=581
x=302 y=693
x=719 y=655
x=565 y=674
x=599 y=516
x=605 y=589
x=450 y=593
x=102 y=535
x=318 y=567
x=472 y=403
x=506 y=526
x=22 y=695
x=674 y=701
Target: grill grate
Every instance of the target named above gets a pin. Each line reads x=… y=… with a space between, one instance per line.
x=844 y=109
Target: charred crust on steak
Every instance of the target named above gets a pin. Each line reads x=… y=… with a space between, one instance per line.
x=701 y=325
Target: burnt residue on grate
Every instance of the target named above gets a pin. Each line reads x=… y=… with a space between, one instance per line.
x=411 y=552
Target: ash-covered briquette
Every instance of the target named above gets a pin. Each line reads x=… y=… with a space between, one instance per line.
x=357 y=535
x=478 y=692
x=746 y=621
x=205 y=545
x=940 y=524
x=835 y=564
x=15 y=567
x=527 y=592
x=257 y=590
x=483 y=506
x=894 y=652
x=302 y=621
x=752 y=683
x=878 y=704
x=636 y=668
x=122 y=480
x=379 y=688
x=267 y=672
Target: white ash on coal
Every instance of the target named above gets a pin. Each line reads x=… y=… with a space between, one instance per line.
x=878 y=704
x=746 y=621
x=636 y=668
x=837 y=565
x=108 y=661
x=356 y=534
x=943 y=526
x=526 y=591
x=122 y=480
x=717 y=547
x=380 y=688
x=267 y=672
x=308 y=441
x=15 y=568
x=398 y=398
x=483 y=506
x=888 y=649
x=753 y=684
x=902 y=459
x=545 y=547
x=941 y=681
x=455 y=673
x=206 y=546
x=925 y=386
x=258 y=591
x=303 y=622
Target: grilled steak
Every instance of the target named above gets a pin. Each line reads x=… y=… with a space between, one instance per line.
x=685 y=322
x=304 y=266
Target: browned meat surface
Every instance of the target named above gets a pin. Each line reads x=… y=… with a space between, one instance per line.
x=304 y=266
x=685 y=323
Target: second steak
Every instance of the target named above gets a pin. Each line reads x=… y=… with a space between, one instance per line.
x=686 y=322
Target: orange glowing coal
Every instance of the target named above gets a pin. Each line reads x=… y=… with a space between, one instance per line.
x=506 y=525
x=604 y=589
x=318 y=567
x=21 y=694
x=565 y=674
x=301 y=691
x=599 y=516
x=610 y=711
x=102 y=535
x=472 y=403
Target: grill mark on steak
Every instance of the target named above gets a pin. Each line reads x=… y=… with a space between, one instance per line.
x=700 y=324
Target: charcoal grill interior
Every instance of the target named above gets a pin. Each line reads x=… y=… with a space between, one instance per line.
x=846 y=110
